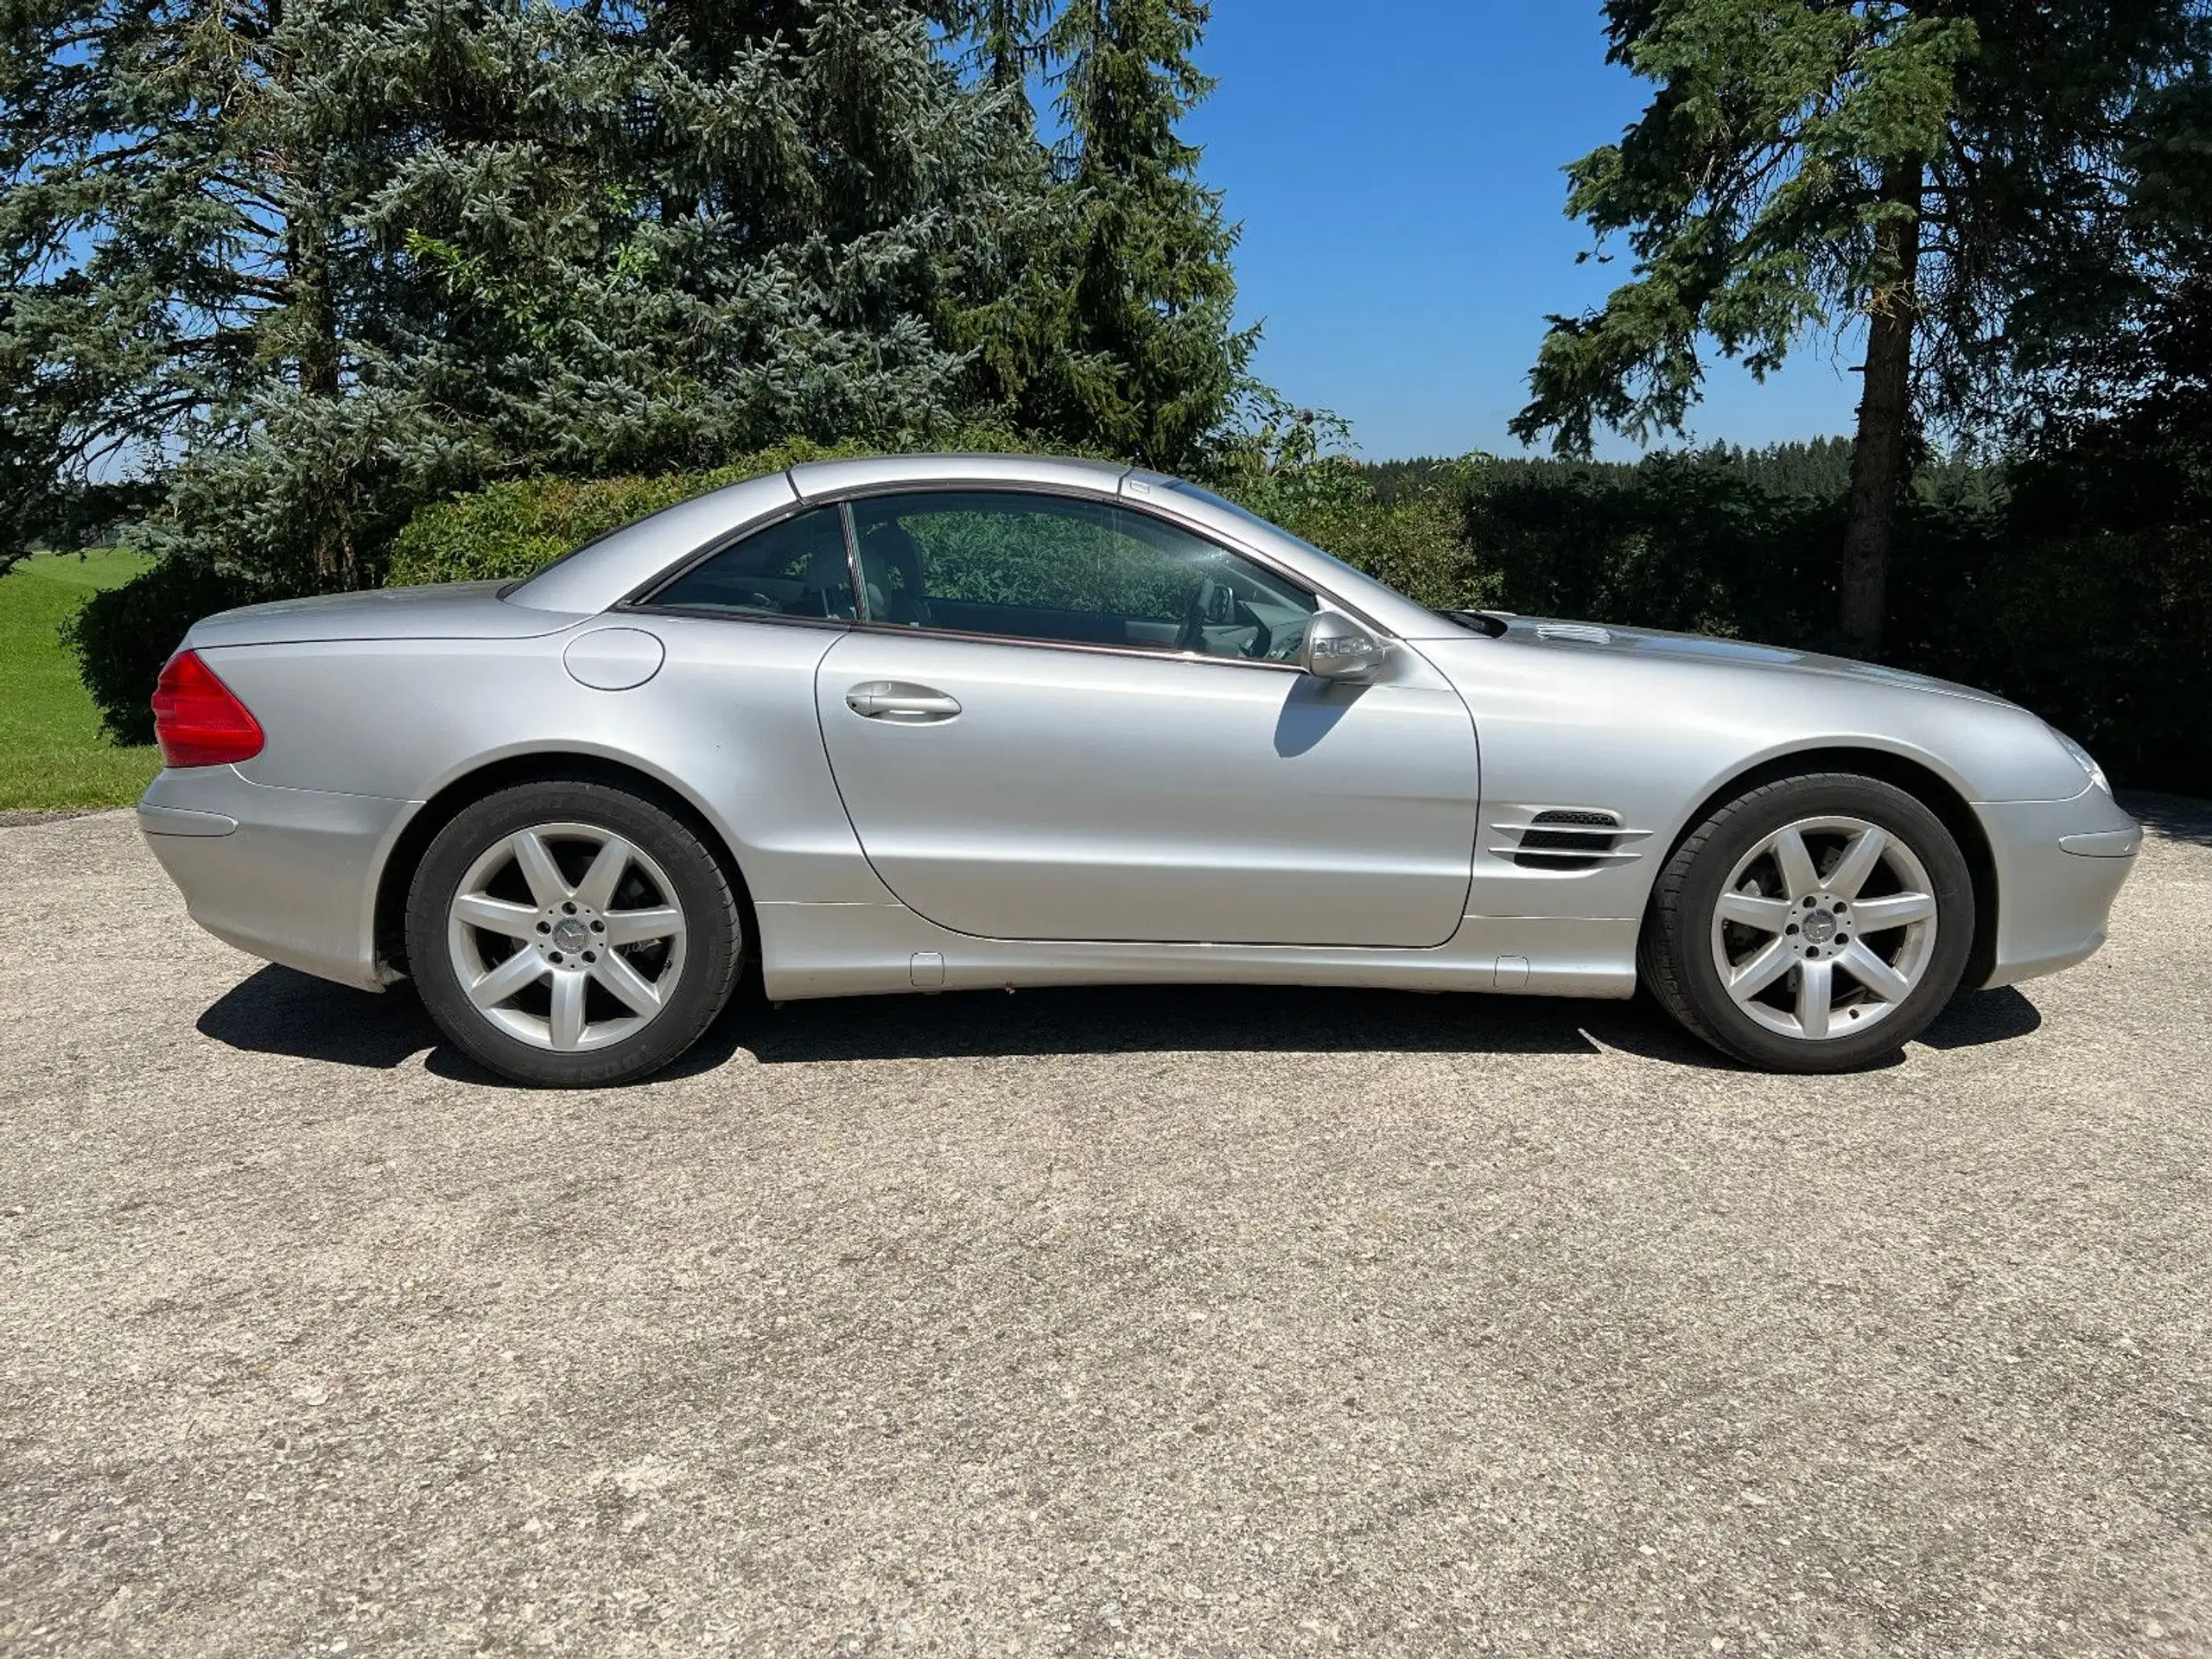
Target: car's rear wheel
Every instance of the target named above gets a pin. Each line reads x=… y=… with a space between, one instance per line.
x=572 y=935
x=1816 y=923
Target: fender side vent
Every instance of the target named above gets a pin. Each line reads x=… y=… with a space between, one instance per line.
x=1560 y=838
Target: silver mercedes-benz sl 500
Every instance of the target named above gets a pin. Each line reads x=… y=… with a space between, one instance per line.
x=957 y=721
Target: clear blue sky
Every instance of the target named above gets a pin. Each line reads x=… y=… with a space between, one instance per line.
x=1396 y=169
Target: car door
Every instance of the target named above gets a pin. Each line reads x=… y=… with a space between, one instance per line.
x=1063 y=719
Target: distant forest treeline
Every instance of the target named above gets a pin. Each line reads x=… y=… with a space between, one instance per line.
x=1809 y=466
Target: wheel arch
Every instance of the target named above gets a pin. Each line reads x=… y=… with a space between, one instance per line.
x=1923 y=783
x=405 y=857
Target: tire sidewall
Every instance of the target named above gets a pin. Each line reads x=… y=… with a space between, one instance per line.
x=1741 y=826
x=714 y=933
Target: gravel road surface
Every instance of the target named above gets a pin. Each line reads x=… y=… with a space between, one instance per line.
x=1200 y=1322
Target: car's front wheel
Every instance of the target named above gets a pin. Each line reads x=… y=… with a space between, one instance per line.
x=572 y=935
x=1816 y=923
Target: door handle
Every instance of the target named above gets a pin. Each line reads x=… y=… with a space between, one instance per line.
x=900 y=703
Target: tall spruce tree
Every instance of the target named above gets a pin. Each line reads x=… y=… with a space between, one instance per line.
x=303 y=265
x=1140 y=349
x=173 y=236
x=1005 y=45
x=779 y=222
x=1952 y=177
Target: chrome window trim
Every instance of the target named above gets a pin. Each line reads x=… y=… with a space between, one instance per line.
x=1109 y=497
x=844 y=510
x=700 y=614
x=865 y=624
x=1148 y=653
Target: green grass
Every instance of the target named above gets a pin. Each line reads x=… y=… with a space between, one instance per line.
x=52 y=751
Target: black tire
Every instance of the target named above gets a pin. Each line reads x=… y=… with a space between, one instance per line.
x=1676 y=956
x=713 y=934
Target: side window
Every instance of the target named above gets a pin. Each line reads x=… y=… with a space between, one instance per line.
x=795 y=568
x=1051 y=567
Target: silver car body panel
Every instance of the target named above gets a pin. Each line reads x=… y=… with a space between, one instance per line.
x=1118 y=795
x=459 y=610
x=1091 y=814
x=2053 y=901
x=288 y=881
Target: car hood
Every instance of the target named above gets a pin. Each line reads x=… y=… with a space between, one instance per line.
x=1553 y=634
x=459 y=610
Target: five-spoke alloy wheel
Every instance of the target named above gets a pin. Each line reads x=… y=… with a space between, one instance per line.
x=1812 y=924
x=572 y=934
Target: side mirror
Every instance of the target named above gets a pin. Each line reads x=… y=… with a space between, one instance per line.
x=1338 y=648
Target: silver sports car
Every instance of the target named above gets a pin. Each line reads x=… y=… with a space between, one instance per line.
x=957 y=721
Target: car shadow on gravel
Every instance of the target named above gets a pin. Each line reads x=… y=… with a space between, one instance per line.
x=981 y=1025
x=1983 y=1017
x=277 y=1011
x=1134 y=1020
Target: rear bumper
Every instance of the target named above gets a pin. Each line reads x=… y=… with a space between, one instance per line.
x=2060 y=864
x=285 y=874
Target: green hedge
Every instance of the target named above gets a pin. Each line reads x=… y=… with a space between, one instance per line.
x=1414 y=539
x=1675 y=543
x=515 y=528
x=2108 y=636
x=122 y=637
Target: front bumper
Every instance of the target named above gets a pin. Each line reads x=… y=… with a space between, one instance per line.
x=2060 y=864
x=286 y=874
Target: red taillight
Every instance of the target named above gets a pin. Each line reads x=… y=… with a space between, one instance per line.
x=197 y=720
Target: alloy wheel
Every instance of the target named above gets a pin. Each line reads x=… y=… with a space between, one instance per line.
x=567 y=936
x=1824 y=928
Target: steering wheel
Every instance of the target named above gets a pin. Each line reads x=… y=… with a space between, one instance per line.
x=1199 y=615
x=1262 y=636
x=1193 y=634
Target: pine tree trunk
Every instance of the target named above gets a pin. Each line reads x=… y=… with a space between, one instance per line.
x=317 y=322
x=312 y=322
x=316 y=336
x=1877 y=458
